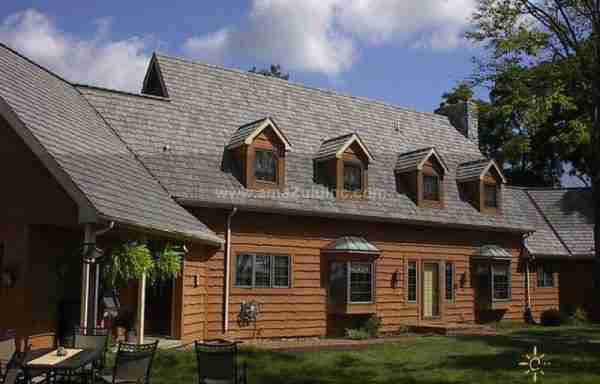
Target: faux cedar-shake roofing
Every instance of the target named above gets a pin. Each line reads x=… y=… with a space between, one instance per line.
x=411 y=161
x=100 y=165
x=570 y=213
x=207 y=104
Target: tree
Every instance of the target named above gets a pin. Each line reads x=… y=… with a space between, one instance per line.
x=557 y=41
x=273 y=71
x=502 y=138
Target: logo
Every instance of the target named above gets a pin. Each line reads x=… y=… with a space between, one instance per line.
x=535 y=364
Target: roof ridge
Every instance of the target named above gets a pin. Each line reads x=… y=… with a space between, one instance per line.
x=126 y=93
x=541 y=212
x=301 y=85
x=34 y=63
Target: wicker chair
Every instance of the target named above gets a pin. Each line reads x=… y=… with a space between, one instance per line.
x=218 y=363
x=133 y=363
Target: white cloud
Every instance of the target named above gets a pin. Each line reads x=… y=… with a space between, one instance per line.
x=324 y=35
x=119 y=64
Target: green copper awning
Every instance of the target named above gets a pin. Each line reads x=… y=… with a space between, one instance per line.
x=492 y=252
x=351 y=244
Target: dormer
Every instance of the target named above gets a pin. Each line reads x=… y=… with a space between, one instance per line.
x=259 y=150
x=342 y=164
x=480 y=183
x=153 y=81
x=420 y=175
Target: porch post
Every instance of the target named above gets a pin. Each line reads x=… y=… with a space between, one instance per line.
x=88 y=238
x=141 y=308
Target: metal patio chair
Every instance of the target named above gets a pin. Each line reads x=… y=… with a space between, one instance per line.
x=10 y=377
x=218 y=363
x=133 y=363
x=89 y=338
x=39 y=341
x=8 y=348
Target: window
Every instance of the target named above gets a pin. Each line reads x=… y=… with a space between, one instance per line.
x=262 y=271
x=431 y=187
x=352 y=177
x=361 y=287
x=545 y=276
x=412 y=282
x=490 y=192
x=450 y=281
x=501 y=282
x=265 y=166
x=350 y=282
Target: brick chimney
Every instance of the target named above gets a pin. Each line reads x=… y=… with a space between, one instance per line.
x=464 y=117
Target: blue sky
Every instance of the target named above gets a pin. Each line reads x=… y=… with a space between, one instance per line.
x=407 y=54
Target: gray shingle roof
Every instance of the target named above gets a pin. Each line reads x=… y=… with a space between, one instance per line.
x=413 y=160
x=471 y=170
x=208 y=104
x=247 y=131
x=118 y=187
x=562 y=218
x=569 y=212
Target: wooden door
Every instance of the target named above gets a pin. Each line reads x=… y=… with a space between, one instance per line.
x=431 y=290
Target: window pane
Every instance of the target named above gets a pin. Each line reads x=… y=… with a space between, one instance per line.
x=262 y=271
x=412 y=281
x=281 y=271
x=243 y=270
x=449 y=281
x=265 y=166
x=352 y=177
x=545 y=276
x=431 y=188
x=491 y=196
x=360 y=283
x=337 y=283
x=500 y=280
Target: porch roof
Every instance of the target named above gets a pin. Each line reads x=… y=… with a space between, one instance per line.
x=351 y=244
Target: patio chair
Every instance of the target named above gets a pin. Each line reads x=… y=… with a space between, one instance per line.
x=132 y=363
x=10 y=377
x=89 y=338
x=39 y=341
x=218 y=363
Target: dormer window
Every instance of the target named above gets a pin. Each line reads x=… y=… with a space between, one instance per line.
x=431 y=187
x=490 y=192
x=258 y=153
x=265 y=166
x=342 y=165
x=420 y=175
x=480 y=184
x=352 y=177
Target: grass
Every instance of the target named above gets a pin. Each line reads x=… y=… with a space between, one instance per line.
x=481 y=359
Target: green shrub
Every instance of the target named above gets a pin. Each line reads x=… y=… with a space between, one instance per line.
x=372 y=326
x=578 y=317
x=552 y=318
x=357 y=334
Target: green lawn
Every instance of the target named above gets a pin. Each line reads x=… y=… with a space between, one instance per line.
x=573 y=358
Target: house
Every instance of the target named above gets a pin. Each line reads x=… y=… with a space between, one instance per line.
x=322 y=208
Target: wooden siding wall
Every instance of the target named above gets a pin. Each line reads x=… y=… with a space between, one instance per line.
x=29 y=194
x=301 y=310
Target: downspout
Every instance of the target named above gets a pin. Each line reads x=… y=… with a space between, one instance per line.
x=98 y=233
x=227 y=271
x=528 y=311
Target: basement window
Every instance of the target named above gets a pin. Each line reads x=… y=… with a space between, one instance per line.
x=262 y=271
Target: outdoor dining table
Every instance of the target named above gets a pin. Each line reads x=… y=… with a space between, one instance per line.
x=46 y=360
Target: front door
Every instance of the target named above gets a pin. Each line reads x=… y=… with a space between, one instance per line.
x=431 y=290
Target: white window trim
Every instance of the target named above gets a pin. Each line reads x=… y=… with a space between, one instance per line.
x=348 y=282
x=271 y=274
x=509 y=277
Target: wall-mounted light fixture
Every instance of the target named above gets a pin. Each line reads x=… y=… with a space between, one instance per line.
x=8 y=279
x=463 y=279
x=396 y=279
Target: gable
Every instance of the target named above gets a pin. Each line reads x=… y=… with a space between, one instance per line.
x=153 y=81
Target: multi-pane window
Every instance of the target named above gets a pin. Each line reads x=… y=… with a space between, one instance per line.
x=352 y=177
x=490 y=192
x=501 y=282
x=412 y=281
x=450 y=281
x=265 y=166
x=431 y=187
x=350 y=282
x=361 y=282
x=545 y=276
x=262 y=271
